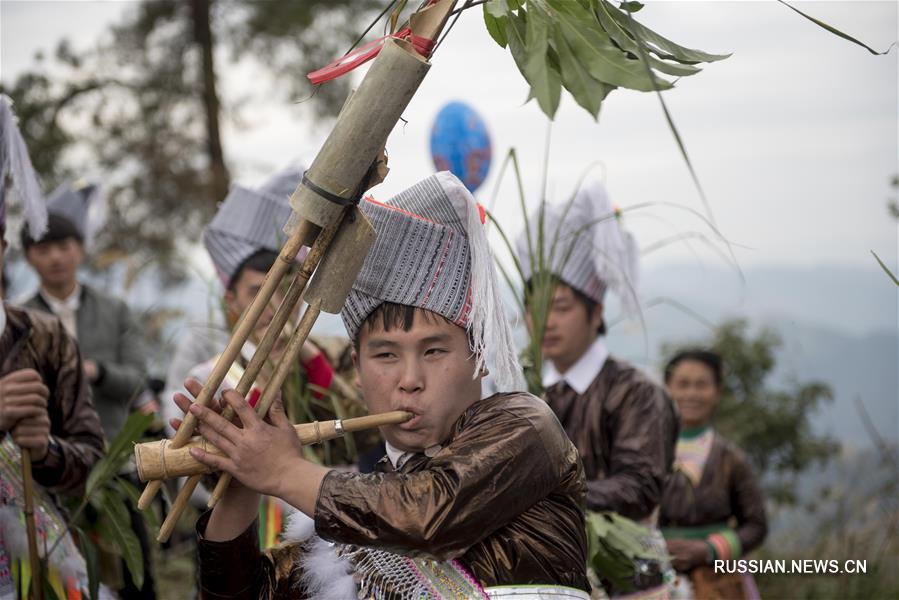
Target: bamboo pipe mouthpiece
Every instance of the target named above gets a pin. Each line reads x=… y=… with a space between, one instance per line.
x=160 y=460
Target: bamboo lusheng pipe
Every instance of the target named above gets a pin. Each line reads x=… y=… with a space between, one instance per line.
x=395 y=75
x=273 y=389
x=34 y=559
x=242 y=331
x=294 y=293
x=158 y=460
x=272 y=333
x=273 y=386
x=284 y=365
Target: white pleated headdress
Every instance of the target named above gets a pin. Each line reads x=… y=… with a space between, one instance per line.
x=585 y=246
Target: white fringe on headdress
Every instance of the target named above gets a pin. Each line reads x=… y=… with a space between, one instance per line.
x=488 y=325
x=15 y=166
x=616 y=255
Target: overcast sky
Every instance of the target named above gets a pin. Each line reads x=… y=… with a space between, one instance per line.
x=794 y=137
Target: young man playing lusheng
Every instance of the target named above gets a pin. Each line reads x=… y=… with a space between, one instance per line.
x=475 y=495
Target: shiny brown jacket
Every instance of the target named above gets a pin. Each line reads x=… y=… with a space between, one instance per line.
x=625 y=428
x=504 y=495
x=728 y=490
x=35 y=341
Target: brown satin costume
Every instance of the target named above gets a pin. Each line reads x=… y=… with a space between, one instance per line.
x=32 y=340
x=625 y=429
x=504 y=495
x=727 y=496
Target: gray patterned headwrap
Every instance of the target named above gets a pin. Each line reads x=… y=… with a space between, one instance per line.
x=73 y=201
x=249 y=220
x=431 y=252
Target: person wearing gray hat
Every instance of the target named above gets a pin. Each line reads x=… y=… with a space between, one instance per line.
x=113 y=346
x=623 y=424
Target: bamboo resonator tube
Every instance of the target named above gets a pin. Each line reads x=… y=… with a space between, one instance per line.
x=159 y=460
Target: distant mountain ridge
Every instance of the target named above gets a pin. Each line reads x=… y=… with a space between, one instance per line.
x=837 y=324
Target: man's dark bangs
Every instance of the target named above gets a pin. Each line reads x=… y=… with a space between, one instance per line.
x=400 y=316
x=59 y=228
x=395 y=316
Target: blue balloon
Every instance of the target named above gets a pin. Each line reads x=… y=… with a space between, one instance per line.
x=460 y=144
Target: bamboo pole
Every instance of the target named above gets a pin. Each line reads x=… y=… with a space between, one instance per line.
x=242 y=331
x=34 y=559
x=322 y=243
x=158 y=460
x=274 y=388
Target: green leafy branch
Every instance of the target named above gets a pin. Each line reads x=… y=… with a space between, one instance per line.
x=589 y=47
x=105 y=492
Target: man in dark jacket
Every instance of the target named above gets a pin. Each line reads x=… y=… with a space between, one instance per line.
x=623 y=424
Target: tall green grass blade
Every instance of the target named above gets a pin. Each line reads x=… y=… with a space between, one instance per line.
x=886 y=269
x=837 y=32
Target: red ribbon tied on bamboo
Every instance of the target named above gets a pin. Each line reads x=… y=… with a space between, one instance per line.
x=363 y=54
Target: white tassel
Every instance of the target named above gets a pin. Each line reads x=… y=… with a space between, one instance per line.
x=489 y=327
x=616 y=254
x=299 y=528
x=631 y=299
x=326 y=575
x=15 y=166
